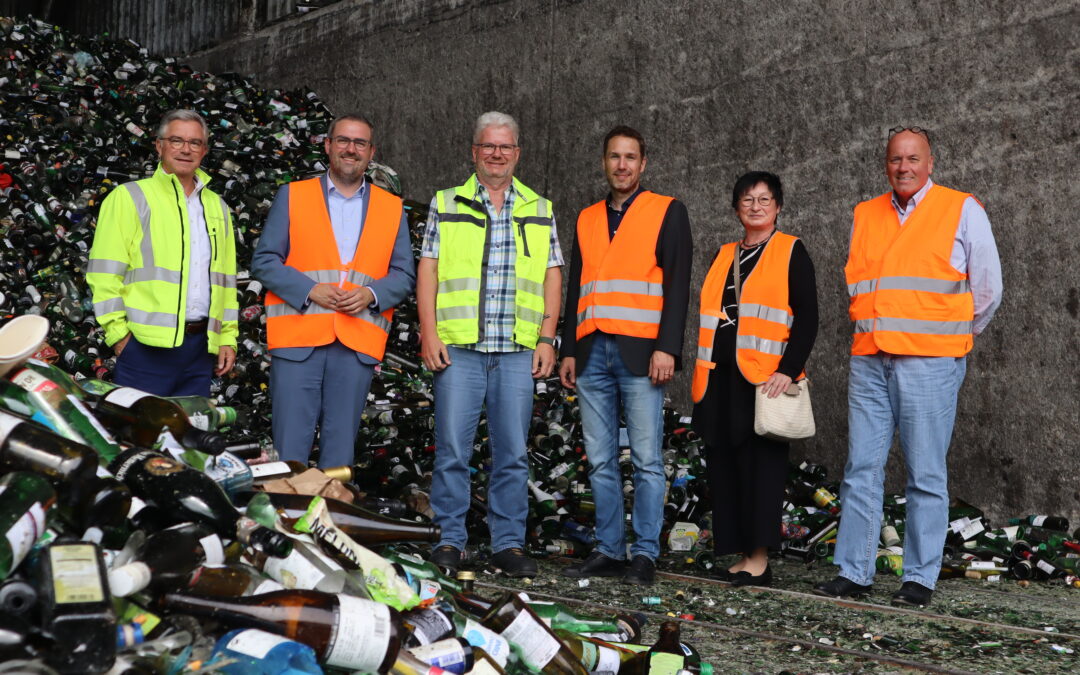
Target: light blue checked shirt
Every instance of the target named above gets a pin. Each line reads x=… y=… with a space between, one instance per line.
x=497 y=334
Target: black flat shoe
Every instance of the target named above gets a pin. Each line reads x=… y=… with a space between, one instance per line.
x=722 y=574
x=746 y=579
x=841 y=588
x=912 y=594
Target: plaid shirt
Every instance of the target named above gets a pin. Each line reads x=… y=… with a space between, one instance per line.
x=497 y=335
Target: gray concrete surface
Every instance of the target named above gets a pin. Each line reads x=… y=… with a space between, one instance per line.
x=804 y=89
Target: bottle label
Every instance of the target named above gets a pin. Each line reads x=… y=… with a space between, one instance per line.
x=446 y=654
x=76 y=577
x=362 y=635
x=491 y=642
x=267 y=586
x=255 y=643
x=607 y=660
x=200 y=421
x=429 y=626
x=1037 y=521
x=24 y=532
x=125 y=396
x=662 y=663
x=537 y=645
x=33 y=381
x=7 y=423
x=268 y=470
x=212 y=549
x=590 y=656
x=297 y=571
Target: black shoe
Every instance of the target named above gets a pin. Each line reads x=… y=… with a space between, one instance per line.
x=841 y=588
x=912 y=594
x=641 y=571
x=721 y=573
x=596 y=565
x=514 y=563
x=447 y=557
x=744 y=578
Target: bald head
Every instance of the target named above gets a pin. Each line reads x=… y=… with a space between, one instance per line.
x=908 y=163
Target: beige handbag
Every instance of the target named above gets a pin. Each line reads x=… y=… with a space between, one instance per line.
x=789 y=416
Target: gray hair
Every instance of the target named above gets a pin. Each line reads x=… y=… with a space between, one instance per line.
x=496 y=119
x=180 y=115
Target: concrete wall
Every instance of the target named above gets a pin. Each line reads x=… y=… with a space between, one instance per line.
x=805 y=89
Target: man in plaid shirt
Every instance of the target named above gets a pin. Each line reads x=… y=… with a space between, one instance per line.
x=488 y=292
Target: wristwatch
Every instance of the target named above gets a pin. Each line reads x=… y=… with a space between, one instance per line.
x=546 y=340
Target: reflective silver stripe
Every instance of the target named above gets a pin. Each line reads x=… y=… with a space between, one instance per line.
x=709 y=321
x=108 y=306
x=860 y=287
x=623 y=286
x=449 y=204
x=230 y=315
x=462 y=284
x=530 y=315
x=213 y=325
x=285 y=309
x=750 y=309
x=923 y=284
x=864 y=326
x=358 y=278
x=162 y=319
x=223 y=280
x=224 y=211
x=760 y=344
x=371 y=317
x=922 y=326
x=460 y=312
x=620 y=313
x=103 y=266
x=146 y=246
x=542 y=208
x=704 y=353
x=152 y=274
x=530 y=286
x=324 y=276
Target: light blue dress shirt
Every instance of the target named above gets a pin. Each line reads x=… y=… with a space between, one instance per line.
x=347 y=220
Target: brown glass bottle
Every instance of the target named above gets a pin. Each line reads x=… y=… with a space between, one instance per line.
x=345 y=631
x=536 y=646
x=235 y=580
x=365 y=527
x=466 y=600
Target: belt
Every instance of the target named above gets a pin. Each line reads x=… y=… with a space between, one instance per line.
x=195 y=327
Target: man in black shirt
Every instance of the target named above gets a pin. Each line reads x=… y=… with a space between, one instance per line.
x=626 y=303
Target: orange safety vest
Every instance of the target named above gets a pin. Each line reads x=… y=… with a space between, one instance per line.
x=313 y=250
x=765 y=315
x=906 y=297
x=622 y=284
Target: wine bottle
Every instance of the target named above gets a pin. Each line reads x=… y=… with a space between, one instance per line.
x=533 y=642
x=365 y=527
x=596 y=655
x=345 y=631
x=139 y=418
x=25 y=500
x=174 y=486
x=168 y=559
x=76 y=611
x=307 y=568
x=234 y=580
x=561 y=617
x=253 y=651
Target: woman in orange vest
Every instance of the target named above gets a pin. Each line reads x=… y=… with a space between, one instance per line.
x=763 y=337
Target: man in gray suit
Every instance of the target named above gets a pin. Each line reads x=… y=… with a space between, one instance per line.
x=335 y=259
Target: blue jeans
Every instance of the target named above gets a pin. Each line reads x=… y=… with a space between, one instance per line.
x=167 y=371
x=503 y=381
x=917 y=396
x=601 y=385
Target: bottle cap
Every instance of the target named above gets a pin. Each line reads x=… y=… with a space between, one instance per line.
x=128 y=579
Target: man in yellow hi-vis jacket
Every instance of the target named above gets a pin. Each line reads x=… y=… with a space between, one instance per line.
x=163 y=270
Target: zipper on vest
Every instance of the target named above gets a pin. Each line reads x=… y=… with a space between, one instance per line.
x=183 y=235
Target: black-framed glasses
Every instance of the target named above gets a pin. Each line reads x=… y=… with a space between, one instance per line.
x=489 y=148
x=914 y=130
x=175 y=142
x=343 y=142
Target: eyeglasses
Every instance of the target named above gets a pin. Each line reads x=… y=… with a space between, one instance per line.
x=914 y=130
x=748 y=201
x=490 y=148
x=175 y=142
x=343 y=142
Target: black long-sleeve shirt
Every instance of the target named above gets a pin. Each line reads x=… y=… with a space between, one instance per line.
x=674 y=254
x=725 y=416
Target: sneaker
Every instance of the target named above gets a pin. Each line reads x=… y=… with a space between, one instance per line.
x=641 y=571
x=446 y=556
x=514 y=563
x=596 y=565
